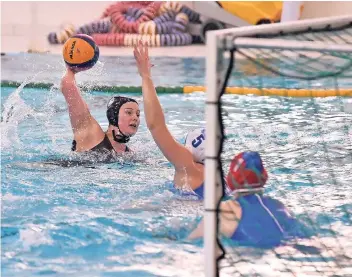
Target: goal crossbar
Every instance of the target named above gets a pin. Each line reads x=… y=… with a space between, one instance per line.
x=321 y=24
x=282 y=44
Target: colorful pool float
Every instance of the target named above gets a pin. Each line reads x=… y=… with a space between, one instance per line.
x=125 y=23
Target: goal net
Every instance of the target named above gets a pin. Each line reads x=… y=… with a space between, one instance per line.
x=283 y=90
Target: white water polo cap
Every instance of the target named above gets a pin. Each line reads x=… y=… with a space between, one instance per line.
x=195 y=142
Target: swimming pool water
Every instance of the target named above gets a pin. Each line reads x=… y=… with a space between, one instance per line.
x=170 y=71
x=64 y=216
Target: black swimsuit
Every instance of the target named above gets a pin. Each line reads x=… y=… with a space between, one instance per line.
x=104 y=145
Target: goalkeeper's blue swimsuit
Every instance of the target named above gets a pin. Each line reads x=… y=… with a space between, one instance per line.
x=265 y=222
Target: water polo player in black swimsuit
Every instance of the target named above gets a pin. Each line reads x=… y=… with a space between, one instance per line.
x=122 y=113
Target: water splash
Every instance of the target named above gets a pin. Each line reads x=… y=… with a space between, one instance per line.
x=93 y=73
x=97 y=70
x=46 y=114
x=15 y=111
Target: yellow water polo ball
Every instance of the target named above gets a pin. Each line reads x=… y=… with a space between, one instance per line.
x=80 y=52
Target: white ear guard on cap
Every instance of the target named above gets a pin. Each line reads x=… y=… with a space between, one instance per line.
x=195 y=142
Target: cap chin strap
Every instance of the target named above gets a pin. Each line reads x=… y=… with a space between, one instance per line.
x=120 y=138
x=237 y=192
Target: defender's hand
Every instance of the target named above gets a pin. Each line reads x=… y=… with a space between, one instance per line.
x=142 y=58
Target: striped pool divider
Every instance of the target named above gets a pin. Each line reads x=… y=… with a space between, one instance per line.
x=192 y=89
x=112 y=89
x=278 y=91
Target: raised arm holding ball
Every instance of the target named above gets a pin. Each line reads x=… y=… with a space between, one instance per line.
x=81 y=53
